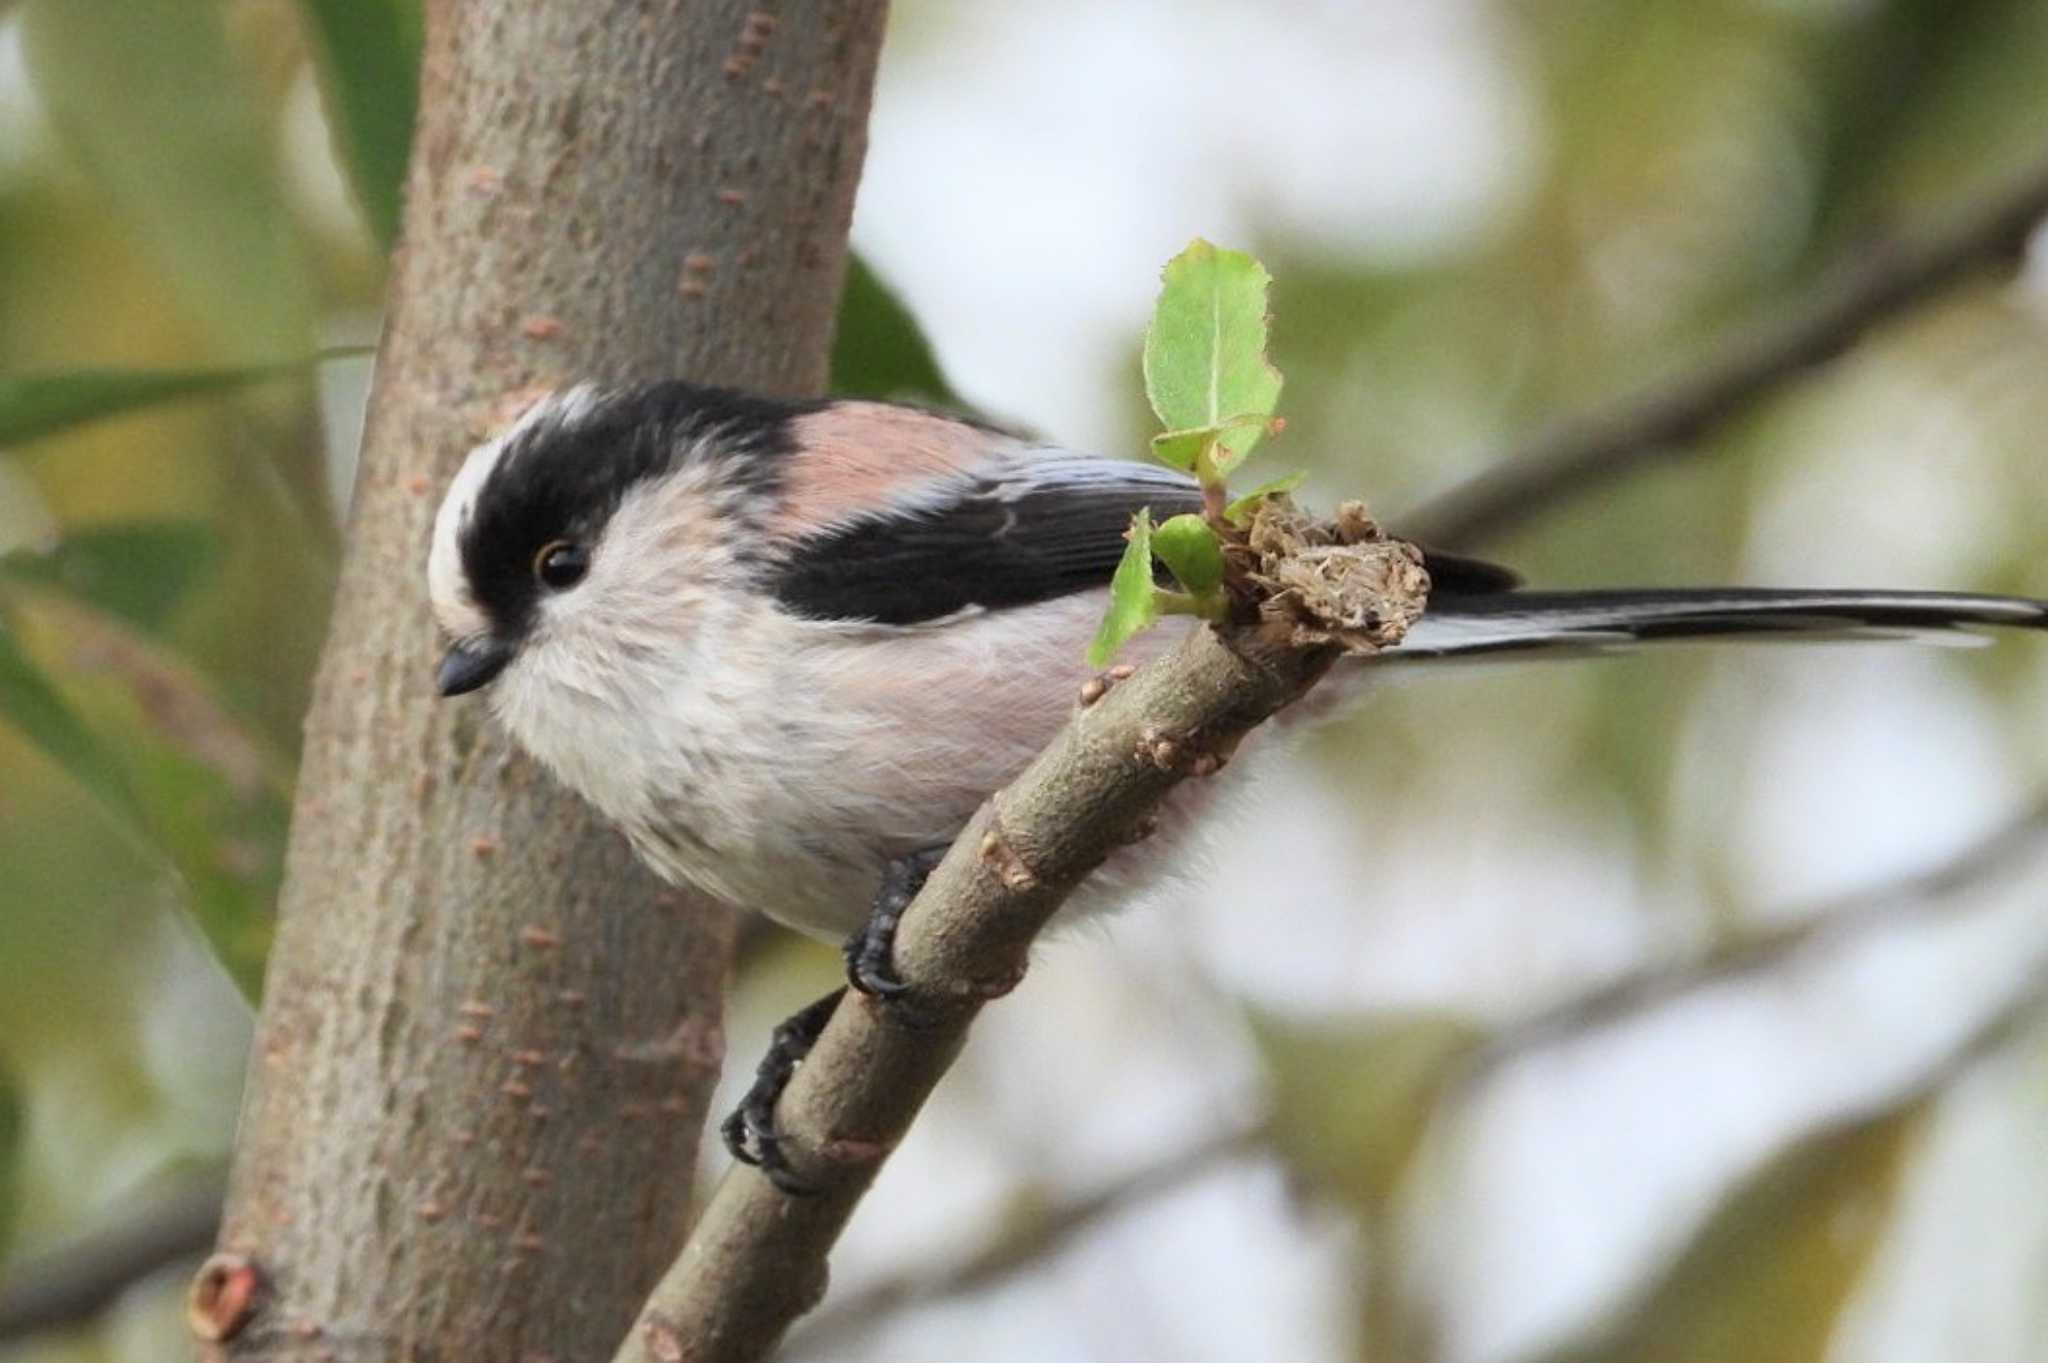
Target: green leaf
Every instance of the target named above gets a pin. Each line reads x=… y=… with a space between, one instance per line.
x=1768 y=1275
x=1133 y=601
x=371 y=76
x=1239 y=512
x=31 y=704
x=36 y=405
x=137 y=571
x=1205 y=352
x=225 y=835
x=878 y=350
x=1186 y=449
x=1352 y=1098
x=150 y=100
x=211 y=799
x=1188 y=547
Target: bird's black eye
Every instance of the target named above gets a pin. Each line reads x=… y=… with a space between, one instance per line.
x=560 y=565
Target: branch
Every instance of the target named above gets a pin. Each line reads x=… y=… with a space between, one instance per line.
x=2011 y=851
x=72 y=1284
x=2021 y=1014
x=2016 y=851
x=1668 y=420
x=756 y=1259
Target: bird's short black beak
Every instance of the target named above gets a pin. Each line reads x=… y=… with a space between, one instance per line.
x=471 y=663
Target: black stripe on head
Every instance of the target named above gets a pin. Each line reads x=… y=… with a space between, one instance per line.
x=563 y=476
x=994 y=544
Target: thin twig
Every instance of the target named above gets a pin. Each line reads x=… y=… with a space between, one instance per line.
x=1028 y=1239
x=72 y=1284
x=1678 y=415
x=2018 y=1016
x=1934 y=893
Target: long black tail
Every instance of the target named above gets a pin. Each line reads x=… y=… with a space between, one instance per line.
x=1460 y=625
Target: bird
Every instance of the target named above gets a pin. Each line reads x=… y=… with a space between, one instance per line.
x=788 y=646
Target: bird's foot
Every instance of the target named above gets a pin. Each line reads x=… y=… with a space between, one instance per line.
x=751 y=1132
x=871 y=952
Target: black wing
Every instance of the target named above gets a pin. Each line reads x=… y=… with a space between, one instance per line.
x=1045 y=525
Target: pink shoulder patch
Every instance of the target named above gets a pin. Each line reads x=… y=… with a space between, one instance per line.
x=860 y=456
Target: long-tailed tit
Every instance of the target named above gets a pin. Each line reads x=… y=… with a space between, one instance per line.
x=789 y=646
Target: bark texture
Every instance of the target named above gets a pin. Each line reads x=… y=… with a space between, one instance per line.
x=488 y=1037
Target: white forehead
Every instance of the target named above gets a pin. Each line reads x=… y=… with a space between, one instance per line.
x=448 y=589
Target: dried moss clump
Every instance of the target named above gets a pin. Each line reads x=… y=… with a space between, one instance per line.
x=1340 y=582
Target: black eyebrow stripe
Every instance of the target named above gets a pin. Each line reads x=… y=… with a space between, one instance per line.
x=565 y=476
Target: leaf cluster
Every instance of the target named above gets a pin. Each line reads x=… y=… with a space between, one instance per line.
x=1214 y=389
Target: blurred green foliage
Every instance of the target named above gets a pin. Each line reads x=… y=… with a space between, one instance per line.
x=1767 y=1275
x=879 y=351
x=185 y=157
x=32 y=705
x=138 y=570
x=11 y=1122
x=371 y=51
x=1352 y=1097
x=36 y=405
x=167 y=535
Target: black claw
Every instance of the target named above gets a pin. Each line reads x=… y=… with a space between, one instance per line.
x=733 y=1130
x=786 y=1182
x=871 y=952
x=750 y=1133
x=870 y=963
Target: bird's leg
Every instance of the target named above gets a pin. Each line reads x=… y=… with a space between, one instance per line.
x=750 y=1132
x=871 y=952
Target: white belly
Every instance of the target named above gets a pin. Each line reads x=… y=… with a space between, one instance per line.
x=770 y=798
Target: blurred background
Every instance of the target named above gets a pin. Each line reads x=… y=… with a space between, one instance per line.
x=1678 y=1006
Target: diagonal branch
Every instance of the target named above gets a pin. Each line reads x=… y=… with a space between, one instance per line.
x=2016 y=850
x=756 y=1259
x=1674 y=418
x=73 y=1283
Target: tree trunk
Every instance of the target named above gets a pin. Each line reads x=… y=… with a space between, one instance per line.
x=488 y=1038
